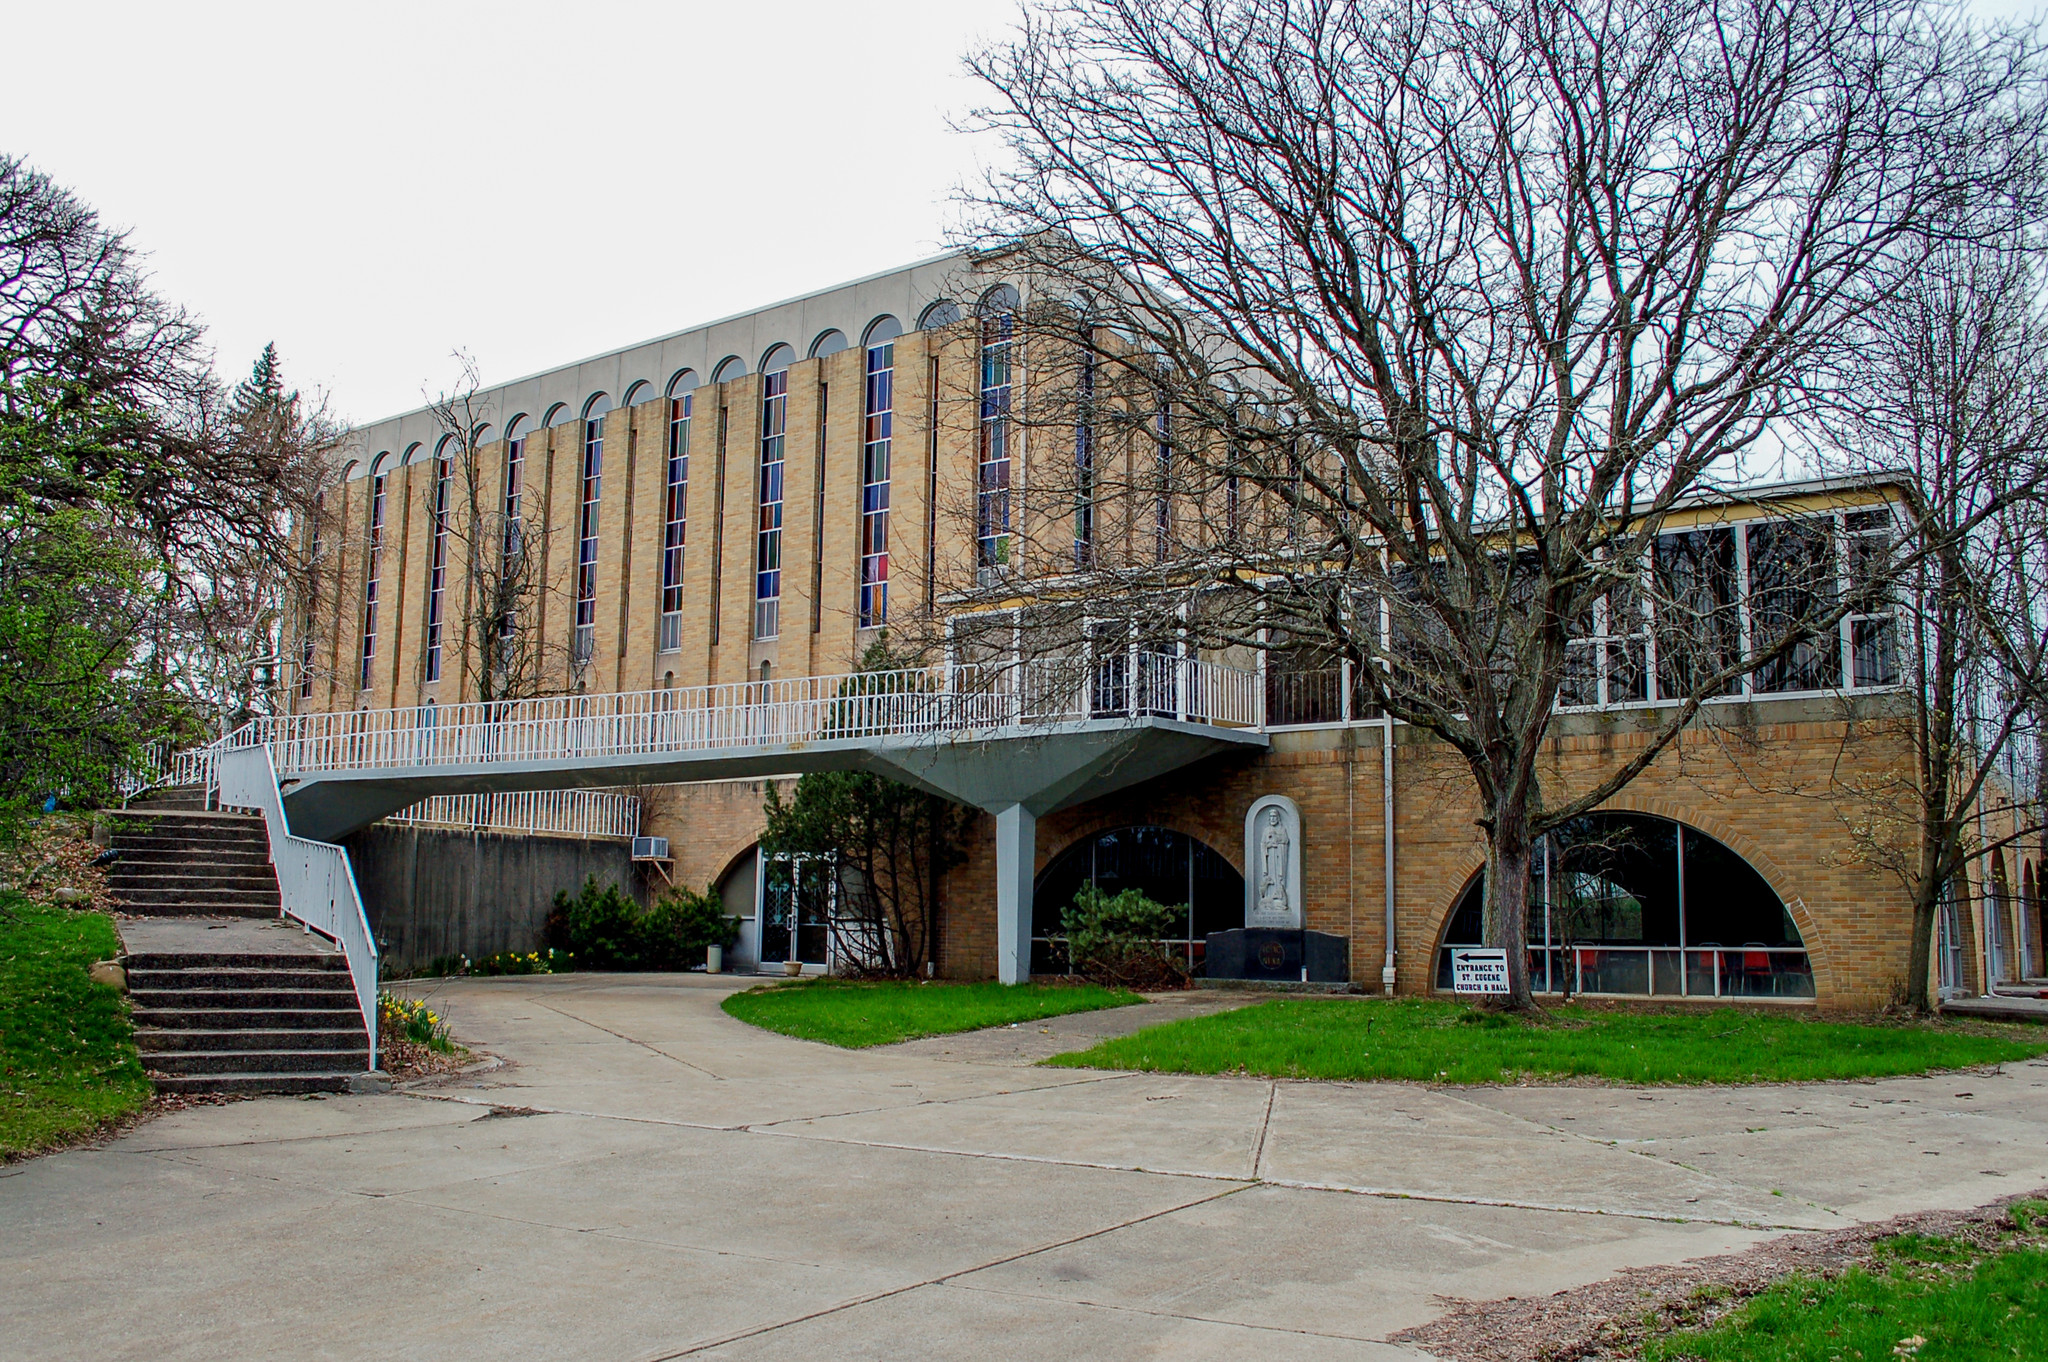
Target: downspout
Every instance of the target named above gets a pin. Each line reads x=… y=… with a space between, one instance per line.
x=1387 y=854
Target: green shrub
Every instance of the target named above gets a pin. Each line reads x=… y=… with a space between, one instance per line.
x=1116 y=940
x=687 y=921
x=604 y=929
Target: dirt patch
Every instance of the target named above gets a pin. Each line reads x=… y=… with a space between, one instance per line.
x=408 y=1059
x=1610 y=1321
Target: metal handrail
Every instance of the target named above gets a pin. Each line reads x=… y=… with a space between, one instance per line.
x=932 y=702
x=314 y=881
x=574 y=813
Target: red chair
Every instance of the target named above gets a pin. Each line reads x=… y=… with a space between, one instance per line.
x=1756 y=968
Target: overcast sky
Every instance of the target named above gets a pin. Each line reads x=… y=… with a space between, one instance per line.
x=373 y=185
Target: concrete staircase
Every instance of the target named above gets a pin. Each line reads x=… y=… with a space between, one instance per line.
x=190 y=798
x=181 y=862
x=247 y=1021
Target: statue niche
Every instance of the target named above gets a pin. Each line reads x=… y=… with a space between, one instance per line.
x=1272 y=858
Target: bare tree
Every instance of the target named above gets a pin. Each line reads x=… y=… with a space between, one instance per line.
x=1952 y=384
x=498 y=530
x=1434 y=314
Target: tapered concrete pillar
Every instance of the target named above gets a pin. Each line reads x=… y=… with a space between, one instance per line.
x=1016 y=852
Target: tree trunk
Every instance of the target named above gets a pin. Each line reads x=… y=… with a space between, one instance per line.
x=1926 y=904
x=1509 y=854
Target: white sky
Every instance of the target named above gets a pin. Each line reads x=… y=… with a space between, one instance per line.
x=373 y=185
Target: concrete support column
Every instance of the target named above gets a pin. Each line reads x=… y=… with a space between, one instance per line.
x=1016 y=852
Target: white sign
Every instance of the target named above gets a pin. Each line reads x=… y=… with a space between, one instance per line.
x=1479 y=971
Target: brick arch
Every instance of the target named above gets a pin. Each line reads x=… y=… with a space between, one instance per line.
x=1095 y=827
x=728 y=864
x=1759 y=860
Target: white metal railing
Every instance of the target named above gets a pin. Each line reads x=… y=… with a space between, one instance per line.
x=571 y=813
x=315 y=884
x=955 y=700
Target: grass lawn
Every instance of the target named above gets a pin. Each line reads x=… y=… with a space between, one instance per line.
x=1937 y=1300
x=1449 y=1042
x=857 y=1015
x=67 y=1052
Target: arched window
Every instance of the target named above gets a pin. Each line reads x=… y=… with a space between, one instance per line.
x=992 y=483
x=675 y=519
x=557 y=414
x=729 y=368
x=942 y=313
x=829 y=342
x=481 y=436
x=373 y=568
x=1632 y=904
x=768 y=537
x=585 y=641
x=636 y=393
x=1168 y=867
x=437 y=569
x=878 y=431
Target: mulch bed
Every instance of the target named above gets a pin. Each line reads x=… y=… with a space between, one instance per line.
x=1610 y=1321
x=408 y=1059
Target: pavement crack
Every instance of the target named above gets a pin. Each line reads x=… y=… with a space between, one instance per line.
x=1265 y=1124
x=630 y=1040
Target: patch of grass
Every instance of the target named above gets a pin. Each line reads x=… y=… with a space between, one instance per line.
x=67 y=1053
x=856 y=1015
x=1449 y=1042
x=1933 y=1299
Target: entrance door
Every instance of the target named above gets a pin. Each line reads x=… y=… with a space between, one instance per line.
x=798 y=896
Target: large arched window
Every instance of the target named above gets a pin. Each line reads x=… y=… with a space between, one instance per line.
x=1169 y=867
x=992 y=485
x=878 y=431
x=675 y=522
x=768 y=537
x=1631 y=904
x=373 y=569
x=437 y=563
x=584 y=643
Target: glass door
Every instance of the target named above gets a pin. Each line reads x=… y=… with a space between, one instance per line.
x=799 y=896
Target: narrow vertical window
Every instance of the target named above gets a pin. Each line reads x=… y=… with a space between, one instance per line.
x=508 y=568
x=877 y=434
x=1084 y=456
x=373 y=559
x=1871 y=624
x=309 y=625
x=768 y=535
x=675 y=523
x=585 y=641
x=992 y=488
x=437 y=569
x=1162 y=476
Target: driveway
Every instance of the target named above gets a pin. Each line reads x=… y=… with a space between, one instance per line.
x=647 y=1178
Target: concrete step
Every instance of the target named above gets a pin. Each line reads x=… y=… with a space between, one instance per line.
x=321 y=960
x=235 y=999
x=199 y=889
x=337 y=1017
x=186 y=1062
x=182 y=798
x=152 y=1041
x=154 y=981
x=161 y=860
x=178 y=887
x=252 y=1083
x=256 y=911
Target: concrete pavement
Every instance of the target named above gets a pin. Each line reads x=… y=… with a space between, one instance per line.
x=687 y=1185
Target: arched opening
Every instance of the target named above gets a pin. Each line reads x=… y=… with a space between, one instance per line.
x=882 y=329
x=556 y=414
x=829 y=342
x=684 y=381
x=942 y=313
x=636 y=393
x=729 y=368
x=1630 y=904
x=777 y=357
x=1167 y=866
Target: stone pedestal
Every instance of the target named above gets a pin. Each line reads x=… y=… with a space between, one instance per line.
x=1278 y=954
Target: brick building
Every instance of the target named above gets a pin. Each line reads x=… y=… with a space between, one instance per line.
x=768 y=495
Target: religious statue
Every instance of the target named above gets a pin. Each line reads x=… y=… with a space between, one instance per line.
x=1273 y=857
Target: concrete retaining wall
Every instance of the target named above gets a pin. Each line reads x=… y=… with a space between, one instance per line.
x=439 y=891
